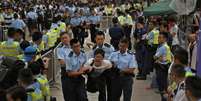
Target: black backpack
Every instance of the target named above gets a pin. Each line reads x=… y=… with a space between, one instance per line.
x=9 y=68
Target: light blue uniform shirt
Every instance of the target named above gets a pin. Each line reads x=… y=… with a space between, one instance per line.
x=109 y=49
x=32 y=15
x=74 y=62
x=123 y=61
x=83 y=18
x=161 y=52
x=19 y=24
x=54 y=25
x=63 y=52
x=75 y=21
x=150 y=36
x=94 y=19
x=36 y=86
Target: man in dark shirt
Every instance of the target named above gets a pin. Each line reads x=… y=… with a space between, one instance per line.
x=116 y=33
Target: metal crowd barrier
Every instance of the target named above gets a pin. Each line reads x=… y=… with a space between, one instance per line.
x=53 y=71
x=3 y=32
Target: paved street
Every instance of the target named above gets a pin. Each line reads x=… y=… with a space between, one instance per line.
x=140 y=92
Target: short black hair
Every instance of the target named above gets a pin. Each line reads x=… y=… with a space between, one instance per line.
x=181 y=55
x=99 y=51
x=24 y=44
x=37 y=36
x=19 y=31
x=63 y=33
x=179 y=70
x=11 y=32
x=124 y=40
x=17 y=92
x=15 y=16
x=165 y=35
x=73 y=41
x=35 y=68
x=115 y=20
x=100 y=33
x=26 y=76
x=193 y=85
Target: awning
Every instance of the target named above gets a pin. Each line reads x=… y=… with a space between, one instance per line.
x=160 y=8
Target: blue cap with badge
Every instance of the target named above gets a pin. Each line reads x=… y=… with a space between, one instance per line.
x=29 y=53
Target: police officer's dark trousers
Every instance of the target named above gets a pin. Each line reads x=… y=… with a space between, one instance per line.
x=101 y=83
x=93 y=32
x=121 y=84
x=140 y=57
x=149 y=60
x=162 y=78
x=127 y=32
x=75 y=31
x=74 y=88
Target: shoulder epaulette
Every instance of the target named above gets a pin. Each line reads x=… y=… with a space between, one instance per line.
x=107 y=45
x=70 y=54
x=130 y=52
x=82 y=51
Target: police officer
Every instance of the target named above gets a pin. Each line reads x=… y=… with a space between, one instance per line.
x=94 y=20
x=82 y=28
x=75 y=22
x=116 y=33
x=62 y=52
x=37 y=41
x=11 y=47
x=151 y=47
x=75 y=83
x=140 y=31
x=61 y=25
x=163 y=58
x=36 y=69
x=128 y=24
x=51 y=37
x=25 y=79
x=125 y=63
x=100 y=37
x=30 y=54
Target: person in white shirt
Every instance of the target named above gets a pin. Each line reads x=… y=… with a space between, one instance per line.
x=96 y=76
x=174 y=32
x=192 y=50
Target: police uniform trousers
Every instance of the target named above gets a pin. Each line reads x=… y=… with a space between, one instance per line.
x=81 y=35
x=127 y=32
x=74 y=88
x=121 y=84
x=149 y=60
x=162 y=76
x=75 y=31
x=140 y=57
x=93 y=31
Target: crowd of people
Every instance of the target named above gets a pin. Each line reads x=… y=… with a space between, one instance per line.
x=150 y=45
